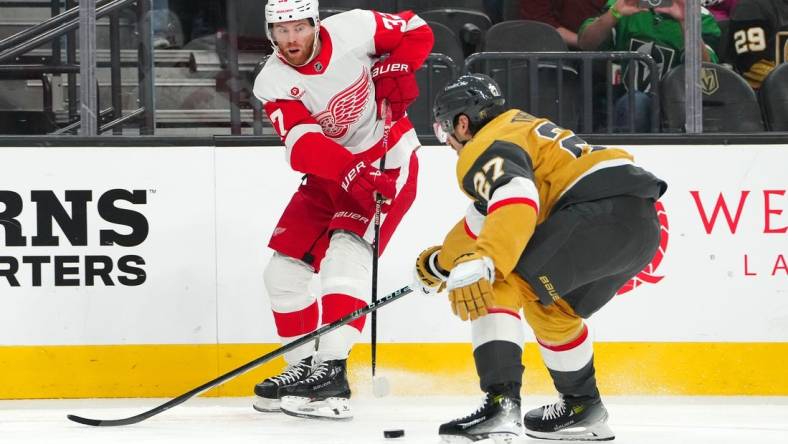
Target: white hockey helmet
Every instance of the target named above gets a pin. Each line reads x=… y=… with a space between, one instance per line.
x=277 y=11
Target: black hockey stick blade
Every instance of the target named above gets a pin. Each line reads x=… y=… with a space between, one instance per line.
x=391 y=297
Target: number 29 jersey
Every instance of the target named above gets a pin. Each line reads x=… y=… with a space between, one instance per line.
x=518 y=169
x=759 y=37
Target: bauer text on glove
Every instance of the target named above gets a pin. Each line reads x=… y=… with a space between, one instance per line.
x=362 y=181
x=396 y=83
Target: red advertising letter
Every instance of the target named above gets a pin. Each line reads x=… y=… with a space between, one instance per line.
x=780 y=265
x=708 y=224
x=747 y=268
x=768 y=211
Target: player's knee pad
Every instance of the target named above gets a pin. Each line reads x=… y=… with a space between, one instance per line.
x=345 y=276
x=569 y=355
x=346 y=268
x=287 y=282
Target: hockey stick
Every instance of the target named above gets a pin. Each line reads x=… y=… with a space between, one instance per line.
x=376 y=242
x=371 y=308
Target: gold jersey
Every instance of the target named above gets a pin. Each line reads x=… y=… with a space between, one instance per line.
x=517 y=170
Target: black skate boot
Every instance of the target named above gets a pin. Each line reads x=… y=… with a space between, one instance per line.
x=267 y=392
x=497 y=419
x=324 y=394
x=570 y=419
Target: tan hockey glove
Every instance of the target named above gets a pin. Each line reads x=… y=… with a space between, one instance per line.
x=429 y=277
x=470 y=286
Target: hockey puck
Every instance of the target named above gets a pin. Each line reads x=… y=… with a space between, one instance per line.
x=398 y=433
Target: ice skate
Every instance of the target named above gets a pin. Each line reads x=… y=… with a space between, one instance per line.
x=324 y=394
x=570 y=419
x=267 y=397
x=497 y=419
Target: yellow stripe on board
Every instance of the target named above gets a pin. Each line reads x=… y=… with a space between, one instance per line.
x=30 y=372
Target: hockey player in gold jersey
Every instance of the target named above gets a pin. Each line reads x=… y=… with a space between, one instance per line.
x=556 y=226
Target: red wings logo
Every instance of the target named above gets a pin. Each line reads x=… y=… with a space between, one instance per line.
x=648 y=275
x=345 y=108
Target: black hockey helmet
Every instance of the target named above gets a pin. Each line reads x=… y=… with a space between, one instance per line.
x=475 y=95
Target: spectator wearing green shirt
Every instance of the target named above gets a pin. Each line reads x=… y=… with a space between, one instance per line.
x=658 y=32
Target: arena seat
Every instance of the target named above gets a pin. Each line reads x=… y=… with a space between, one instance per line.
x=447 y=42
x=469 y=25
x=729 y=104
x=431 y=80
x=774 y=98
x=531 y=36
x=523 y=35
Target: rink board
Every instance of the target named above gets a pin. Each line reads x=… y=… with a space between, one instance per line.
x=139 y=273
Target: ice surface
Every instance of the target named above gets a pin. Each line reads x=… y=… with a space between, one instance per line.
x=636 y=420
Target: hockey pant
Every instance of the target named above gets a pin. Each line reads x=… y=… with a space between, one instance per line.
x=585 y=252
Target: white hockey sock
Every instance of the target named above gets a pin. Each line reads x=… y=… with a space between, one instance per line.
x=345 y=277
x=295 y=309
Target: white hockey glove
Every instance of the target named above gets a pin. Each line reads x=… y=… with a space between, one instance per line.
x=470 y=286
x=428 y=276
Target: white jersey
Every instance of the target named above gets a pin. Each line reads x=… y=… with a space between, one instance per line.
x=334 y=95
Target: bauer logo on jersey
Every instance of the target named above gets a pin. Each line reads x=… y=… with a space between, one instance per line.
x=346 y=108
x=709 y=80
x=649 y=274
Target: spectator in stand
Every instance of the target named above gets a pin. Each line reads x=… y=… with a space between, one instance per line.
x=759 y=33
x=564 y=15
x=658 y=32
x=720 y=9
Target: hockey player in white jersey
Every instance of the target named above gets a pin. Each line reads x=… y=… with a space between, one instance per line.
x=323 y=90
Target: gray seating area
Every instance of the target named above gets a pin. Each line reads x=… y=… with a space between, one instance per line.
x=729 y=104
x=774 y=98
x=191 y=83
x=195 y=90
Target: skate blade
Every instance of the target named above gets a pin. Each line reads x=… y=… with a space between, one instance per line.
x=597 y=432
x=336 y=409
x=266 y=405
x=504 y=438
x=492 y=438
